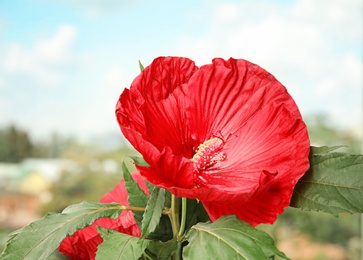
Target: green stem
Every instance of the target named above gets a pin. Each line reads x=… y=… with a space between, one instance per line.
x=175 y=215
x=147 y=256
x=175 y=222
x=164 y=212
x=183 y=218
x=133 y=208
x=177 y=254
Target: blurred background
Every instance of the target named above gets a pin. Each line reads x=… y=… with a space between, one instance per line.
x=63 y=65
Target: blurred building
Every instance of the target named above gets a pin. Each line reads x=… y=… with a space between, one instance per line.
x=24 y=187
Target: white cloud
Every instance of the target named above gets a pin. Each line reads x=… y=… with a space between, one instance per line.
x=114 y=77
x=312 y=47
x=228 y=13
x=56 y=49
x=41 y=62
x=344 y=75
x=106 y=92
x=334 y=17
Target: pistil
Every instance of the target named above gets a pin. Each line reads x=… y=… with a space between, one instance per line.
x=208 y=154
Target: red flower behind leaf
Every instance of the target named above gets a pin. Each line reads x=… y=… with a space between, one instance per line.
x=83 y=243
x=227 y=133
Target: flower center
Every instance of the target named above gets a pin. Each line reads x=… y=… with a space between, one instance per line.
x=208 y=154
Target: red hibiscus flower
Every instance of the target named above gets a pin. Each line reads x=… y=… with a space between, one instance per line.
x=84 y=242
x=227 y=133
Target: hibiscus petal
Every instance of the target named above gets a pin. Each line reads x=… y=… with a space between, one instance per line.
x=226 y=94
x=84 y=242
x=160 y=110
x=169 y=171
x=78 y=248
x=163 y=121
x=128 y=111
x=263 y=208
x=119 y=193
x=164 y=74
x=273 y=140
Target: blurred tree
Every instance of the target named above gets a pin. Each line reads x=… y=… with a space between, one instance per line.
x=15 y=144
x=323 y=133
x=3 y=148
x=53 y=147
x=75 y=187
x=322 y=227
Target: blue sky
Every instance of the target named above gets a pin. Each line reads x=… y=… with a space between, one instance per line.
x=63 y=64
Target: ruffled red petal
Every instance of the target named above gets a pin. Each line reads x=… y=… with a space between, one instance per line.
x=83 y=243
x=268 y=142
x=155 y=102
x=224 y=95
x=264 y=207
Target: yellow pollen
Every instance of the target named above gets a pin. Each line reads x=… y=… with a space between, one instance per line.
x=208 y=153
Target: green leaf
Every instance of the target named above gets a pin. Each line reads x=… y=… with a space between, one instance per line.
x=323 y=149
x=162 y=250
x=333 y=184
x=229 y=238
x=137 y=197
x=150 y=186
x=141 y=66
x=41 y=238
x=117 y=245
x=195 y=213
x=139 y=161
x=163 y=231
x=167 y=199
x=152 y=214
